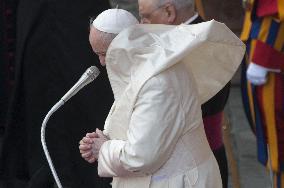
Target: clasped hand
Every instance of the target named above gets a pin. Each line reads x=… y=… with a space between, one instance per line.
x=91 y=144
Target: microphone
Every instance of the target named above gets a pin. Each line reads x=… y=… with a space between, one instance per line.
x=90 y=75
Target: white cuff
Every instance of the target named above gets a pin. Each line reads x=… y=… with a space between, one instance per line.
x=256 y=74
x=108 y=161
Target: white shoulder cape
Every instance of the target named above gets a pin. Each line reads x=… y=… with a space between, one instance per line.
x=210 y=50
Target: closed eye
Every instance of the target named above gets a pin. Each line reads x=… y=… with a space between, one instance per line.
x=101 y=53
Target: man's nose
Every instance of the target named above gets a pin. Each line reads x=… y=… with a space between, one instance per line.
x=102 y=60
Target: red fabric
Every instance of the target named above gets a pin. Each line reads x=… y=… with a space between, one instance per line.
x=213 y=130
x=266 y=8
x=268 y=57
x=279 y=114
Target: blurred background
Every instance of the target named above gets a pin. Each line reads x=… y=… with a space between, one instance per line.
x=245 y=170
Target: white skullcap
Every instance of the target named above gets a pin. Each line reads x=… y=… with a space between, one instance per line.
x=114 y=21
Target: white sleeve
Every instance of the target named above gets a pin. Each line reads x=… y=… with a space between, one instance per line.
x=155 y=126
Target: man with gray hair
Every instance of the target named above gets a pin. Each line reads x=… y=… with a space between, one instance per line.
x=175 y=12
x=172 y=12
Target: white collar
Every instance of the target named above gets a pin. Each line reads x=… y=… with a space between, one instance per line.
x=191 y=19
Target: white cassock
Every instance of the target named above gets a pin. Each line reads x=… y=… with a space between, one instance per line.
x=160 y=75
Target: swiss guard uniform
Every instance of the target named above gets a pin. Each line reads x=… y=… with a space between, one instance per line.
x=263 y=81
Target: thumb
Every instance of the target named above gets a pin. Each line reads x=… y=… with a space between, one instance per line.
x=92 y=135
x=100 y=133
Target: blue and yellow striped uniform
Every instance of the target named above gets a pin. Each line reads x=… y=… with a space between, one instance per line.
x=264 y=105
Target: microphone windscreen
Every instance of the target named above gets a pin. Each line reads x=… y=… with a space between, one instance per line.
x=93 y=72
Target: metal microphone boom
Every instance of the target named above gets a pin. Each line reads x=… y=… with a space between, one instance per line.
x=90 y=75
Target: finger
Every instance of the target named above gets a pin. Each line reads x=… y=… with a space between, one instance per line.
x=87 y=154
x=81 y=142
x=85 y=147
x=87 y=140
x=92 y=135
x=100 y=133
x=88 y=158
x=92 y=160
x=83 y=152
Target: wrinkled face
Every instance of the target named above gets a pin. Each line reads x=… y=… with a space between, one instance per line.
x=99 y=44
x=151 y=13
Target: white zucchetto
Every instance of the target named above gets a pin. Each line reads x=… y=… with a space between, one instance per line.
x=114 y=21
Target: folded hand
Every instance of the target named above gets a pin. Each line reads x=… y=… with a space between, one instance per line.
x=91 y=144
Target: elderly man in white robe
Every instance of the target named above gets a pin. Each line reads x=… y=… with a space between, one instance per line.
x=154 y=136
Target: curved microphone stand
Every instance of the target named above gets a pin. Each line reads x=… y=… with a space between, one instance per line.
x=90 y=75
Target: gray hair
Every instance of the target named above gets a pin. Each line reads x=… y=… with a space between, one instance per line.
x=108 y=37
x=179 y=4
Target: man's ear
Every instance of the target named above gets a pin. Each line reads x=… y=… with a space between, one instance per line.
x=171 y=13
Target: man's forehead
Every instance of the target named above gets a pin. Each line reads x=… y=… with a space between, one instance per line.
x=147 y=3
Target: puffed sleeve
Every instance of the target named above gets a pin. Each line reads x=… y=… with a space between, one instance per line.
x=156 y=124
x=268 y=57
